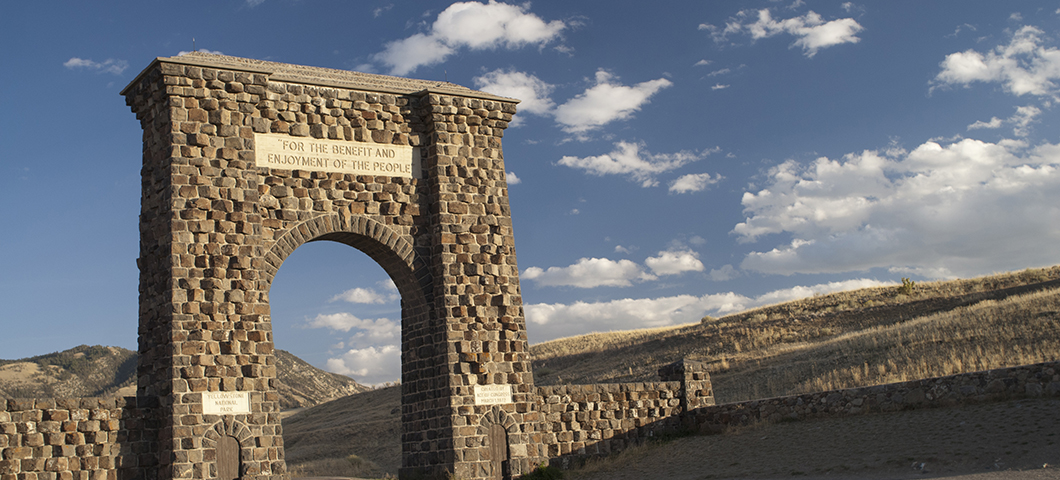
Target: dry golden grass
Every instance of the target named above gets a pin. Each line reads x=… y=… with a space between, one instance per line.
x=846 y=339
x=840 y=340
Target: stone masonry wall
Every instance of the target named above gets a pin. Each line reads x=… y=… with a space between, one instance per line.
x=990 y=385
x=583 y=421
x=102 y=439
x=73 y=439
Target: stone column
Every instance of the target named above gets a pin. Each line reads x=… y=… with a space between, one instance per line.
x=696 y=389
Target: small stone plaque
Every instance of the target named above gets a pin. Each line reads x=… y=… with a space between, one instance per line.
x=493 y=394
x=225 y=403
x=318 y=155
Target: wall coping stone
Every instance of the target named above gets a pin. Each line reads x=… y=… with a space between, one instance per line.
x=326 y=77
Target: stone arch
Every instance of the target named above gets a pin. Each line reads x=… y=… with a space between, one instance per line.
x=390 y=250
x=497 y=429
x=226 y=199
x=214 y=445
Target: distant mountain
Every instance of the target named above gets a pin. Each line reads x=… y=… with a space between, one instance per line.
x=81 y=371
x=98 y=371
x=303 y=385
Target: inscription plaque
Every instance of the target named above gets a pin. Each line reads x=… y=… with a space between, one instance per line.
x=275 y=150
x=493 y=394
x=225 y=403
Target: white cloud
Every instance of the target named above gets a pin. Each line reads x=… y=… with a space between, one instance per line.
x=605 y=102
x=532 y=91
x=370 y=365
x=1023 y=66
x=719 y=86
x=550 y=321
x=109 y=65
x=693 y=182
x=368 y=331
x=589 y=273
x=719 y=72
x=726 y=272
x=702 y=63
x=254 y=3
x=471 y=25
x=993 y=123
x=378 y=12
x=512 y=179
x=671 y=262
x=965 y=208
x=366 y=295
x=1023 y=119
x=812 y=32
x=621 y=249
x=628 y=159
x=203 y=50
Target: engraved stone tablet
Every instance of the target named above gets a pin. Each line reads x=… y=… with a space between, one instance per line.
x=493 y=394
x=225 y=403
x=318 y=155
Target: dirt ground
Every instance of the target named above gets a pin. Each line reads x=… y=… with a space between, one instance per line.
x=1017 y=439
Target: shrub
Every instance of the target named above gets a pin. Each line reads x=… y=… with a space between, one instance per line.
x=543 y=472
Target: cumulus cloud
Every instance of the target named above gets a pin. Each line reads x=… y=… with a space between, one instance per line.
x=719 y=86
x=370 y=366
x=629 y=159
x=693 y=182
x=367 y=330
x=671 y=262
x=532 y=92
x=110 y=65
x=605 y=102
x=511 y=178
x=550 y=321
x=589 y=273
x=963 y=208
x=470 y=25
x=203 y=50
x=1024 y=66
x=811 y=31
x=992 y=124
x=1021 y=121
x=726 y=272
x=388 y=294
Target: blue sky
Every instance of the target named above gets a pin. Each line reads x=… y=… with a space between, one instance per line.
x=670 y=160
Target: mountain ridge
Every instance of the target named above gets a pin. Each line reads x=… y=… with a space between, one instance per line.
x=102 y=371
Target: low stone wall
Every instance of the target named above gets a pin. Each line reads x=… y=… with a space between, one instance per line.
x=111 y=439
x=991 y=385
x=73 y=439
x=583 y=421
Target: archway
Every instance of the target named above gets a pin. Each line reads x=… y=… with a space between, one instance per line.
x=244 y=161
x=332 y=306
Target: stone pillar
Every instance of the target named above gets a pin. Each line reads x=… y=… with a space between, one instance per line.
x=696 y=390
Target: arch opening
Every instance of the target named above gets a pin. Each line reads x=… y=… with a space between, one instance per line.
x=337 y=308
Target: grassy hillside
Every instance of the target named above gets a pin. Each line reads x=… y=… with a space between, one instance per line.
x=355 y=436
x=302 y=385
x=846 y=339
x=856 y=338
x=83 y=371
x=97 y=371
